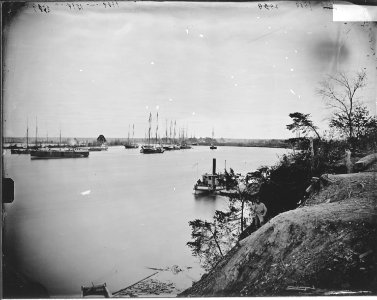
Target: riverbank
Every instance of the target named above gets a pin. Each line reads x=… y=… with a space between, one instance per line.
x=328 y=246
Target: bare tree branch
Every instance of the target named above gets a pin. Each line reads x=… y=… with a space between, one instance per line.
x=339 y=93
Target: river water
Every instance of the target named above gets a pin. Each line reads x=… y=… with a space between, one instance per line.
x=109 y=217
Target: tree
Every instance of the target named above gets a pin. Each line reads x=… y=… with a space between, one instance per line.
x=206 y=245
x=361 y=120
x=302 y=123
x=339 y=93
x=101 y=139
x=230 y=179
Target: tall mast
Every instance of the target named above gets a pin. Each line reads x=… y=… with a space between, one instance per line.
x=157 y=128
x=60 y=138
x=166 y=131
x=171 y=125
x=133 y=133
x=175 y=124
x=27 y=134
x=36 y=131
x=149 y=131
x=128 y=139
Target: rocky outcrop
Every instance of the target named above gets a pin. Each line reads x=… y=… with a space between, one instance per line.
x=365 y=162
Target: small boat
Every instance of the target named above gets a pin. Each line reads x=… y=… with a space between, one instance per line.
x=150 y=149
x=185 y=146
x=213 y=147
x=103 y=147
x=131 y=146
x=168 y=147
x=47 y=153
x=95 y=290
x=211 y=183
x=20 y=151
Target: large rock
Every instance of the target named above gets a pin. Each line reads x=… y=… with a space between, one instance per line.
x=365 y=162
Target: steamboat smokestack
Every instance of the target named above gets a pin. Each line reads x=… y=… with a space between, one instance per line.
x=213 y=173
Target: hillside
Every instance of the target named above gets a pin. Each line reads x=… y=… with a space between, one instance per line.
x=327 y=245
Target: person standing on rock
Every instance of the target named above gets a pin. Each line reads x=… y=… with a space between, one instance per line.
x=258 y=212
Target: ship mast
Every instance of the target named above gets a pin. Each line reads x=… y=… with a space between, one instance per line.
x=166 y=131
x=27 y=134
x=36 y=132
x=157 y=128
x=133 y=133
x=149 y=130
x=128 y=138
x=171 y=125
x=175 y=124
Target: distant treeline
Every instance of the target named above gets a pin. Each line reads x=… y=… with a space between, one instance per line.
x=258 y=143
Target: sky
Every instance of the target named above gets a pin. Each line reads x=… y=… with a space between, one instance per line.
x=231 y=67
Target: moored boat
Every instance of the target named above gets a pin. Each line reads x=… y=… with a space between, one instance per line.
x=213 y=147
x=150 y=149
x=185 y=146
x=20 y=151
x=131 y=144
x=211 y=183
x=98 y=148
x=59 y=153
x=168 y=147
x=95 y=290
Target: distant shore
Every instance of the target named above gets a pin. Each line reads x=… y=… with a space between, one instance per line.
x=16 y=142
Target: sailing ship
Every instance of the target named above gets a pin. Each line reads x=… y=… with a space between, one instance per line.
x=23 y=150
x=213 y=147
x=131 y=144
x=211 y=183
x=175 y=145
x=149 y=148
x=168 y=146
x=184 y=144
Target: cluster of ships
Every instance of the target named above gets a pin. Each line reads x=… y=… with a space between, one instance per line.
x=156 y=145
x=150 y=146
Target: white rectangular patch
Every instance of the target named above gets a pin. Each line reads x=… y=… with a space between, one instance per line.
x=354 y=13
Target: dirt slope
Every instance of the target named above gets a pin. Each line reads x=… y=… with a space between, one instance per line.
x=330 y=244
